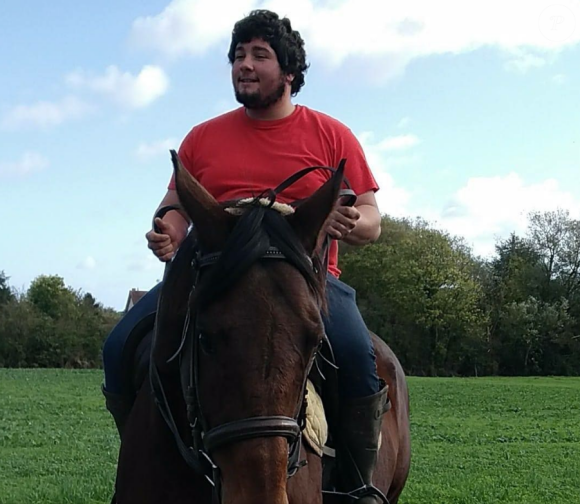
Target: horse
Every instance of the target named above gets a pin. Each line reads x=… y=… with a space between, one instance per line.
x=220 y=415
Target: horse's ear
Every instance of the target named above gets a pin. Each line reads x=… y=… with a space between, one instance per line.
x=207 y=216
x=310 y=216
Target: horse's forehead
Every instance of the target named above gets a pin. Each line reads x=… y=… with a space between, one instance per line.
x=276 y=290
x=280 y=284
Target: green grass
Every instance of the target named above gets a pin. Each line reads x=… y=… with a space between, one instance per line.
x=495 y=440
x=57 y=444
x=475 y=441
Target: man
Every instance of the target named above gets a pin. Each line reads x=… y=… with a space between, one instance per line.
x=253 y=148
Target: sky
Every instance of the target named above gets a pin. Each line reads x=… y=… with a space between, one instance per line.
x=468 y=112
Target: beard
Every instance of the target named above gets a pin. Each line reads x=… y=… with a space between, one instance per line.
x=258 y=101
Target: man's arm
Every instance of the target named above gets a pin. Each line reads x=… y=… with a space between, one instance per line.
x=356 y=225
x=176 y=218
x=173 y=229
x=368 y=226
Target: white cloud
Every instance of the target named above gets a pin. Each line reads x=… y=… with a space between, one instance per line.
x=129 y=91
x=487 y=208
x=391 y=199
x=146 y=151
x=484 y=210
x=29 y=163
x=401 y=142
x=189 y=26
x=387 y=34
x=88 y=263
x=558 y=22
x=404 y=122
x=44 y=114
x=524 y=61
x=559 y=79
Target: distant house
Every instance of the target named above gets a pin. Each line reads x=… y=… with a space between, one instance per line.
x=134 y=296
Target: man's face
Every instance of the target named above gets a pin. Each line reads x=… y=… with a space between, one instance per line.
x=256 y=75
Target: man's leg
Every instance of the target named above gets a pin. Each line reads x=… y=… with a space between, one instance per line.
x=363 y=396
x=117 y=401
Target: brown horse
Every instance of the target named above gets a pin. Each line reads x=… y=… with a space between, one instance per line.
x=235 y=413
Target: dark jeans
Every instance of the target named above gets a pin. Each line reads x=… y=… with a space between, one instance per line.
x=344 y=326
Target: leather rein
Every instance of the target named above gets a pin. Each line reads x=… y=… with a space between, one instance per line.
x=205 y=439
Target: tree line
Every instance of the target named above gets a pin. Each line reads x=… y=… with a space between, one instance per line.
x=443 y=310
x=51 y=325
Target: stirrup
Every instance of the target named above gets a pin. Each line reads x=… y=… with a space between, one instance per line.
x=368 y=491
x=359 y=493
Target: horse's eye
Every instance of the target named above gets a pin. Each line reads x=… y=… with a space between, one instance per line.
x=207 y=343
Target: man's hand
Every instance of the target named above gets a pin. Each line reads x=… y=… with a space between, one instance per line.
x=164 y=244
x=341 y=221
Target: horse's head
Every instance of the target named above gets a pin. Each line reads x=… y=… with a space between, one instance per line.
x=258 y=324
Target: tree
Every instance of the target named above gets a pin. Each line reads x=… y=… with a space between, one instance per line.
x=530 y=295
x=18 y=322
x=537 y=335
x=556 y=238
x=516 y=271
x=53 y=326
x=51 y=296
x=416 y=289
x=6 y=294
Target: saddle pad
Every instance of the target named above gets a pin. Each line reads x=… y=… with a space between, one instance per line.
x=316 y=430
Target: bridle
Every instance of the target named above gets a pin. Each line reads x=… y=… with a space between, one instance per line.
x=206 y=440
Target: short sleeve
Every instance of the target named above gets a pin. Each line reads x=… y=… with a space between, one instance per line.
x=357 y=169
x=185 y=153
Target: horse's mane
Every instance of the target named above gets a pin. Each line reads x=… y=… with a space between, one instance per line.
x=255 y=231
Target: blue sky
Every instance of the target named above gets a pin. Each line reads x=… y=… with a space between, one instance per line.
x=469 y=115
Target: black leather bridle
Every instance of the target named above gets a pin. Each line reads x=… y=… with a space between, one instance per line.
x=206 y=440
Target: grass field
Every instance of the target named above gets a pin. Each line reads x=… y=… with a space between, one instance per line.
x=475 y=441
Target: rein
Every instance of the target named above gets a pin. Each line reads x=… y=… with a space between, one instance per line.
x=205 y=439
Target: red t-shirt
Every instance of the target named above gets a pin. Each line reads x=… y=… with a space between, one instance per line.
x=234 y=156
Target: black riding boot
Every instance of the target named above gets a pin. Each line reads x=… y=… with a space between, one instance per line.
x=360 y=428
x=119 y=406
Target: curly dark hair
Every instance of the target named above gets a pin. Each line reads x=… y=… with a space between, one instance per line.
x=286 y=42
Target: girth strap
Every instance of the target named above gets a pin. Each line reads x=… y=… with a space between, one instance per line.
x=248 y=428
